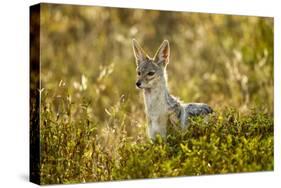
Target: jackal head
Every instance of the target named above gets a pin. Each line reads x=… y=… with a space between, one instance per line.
x=151 y=71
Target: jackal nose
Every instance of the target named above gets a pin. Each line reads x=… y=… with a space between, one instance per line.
x=138 y=83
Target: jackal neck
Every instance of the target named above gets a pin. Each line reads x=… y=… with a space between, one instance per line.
x=159 y=95
x=160 y=89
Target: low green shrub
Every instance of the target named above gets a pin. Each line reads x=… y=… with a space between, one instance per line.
x=82 y=150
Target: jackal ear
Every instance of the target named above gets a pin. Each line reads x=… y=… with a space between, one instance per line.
x=139 y=53
x=163 y=53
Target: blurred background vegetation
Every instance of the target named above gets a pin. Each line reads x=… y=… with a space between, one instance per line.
x=89 y=102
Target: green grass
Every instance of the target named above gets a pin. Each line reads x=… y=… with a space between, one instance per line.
x=81 y=150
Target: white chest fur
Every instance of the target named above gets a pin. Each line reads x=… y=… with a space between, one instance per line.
x=155 y=103
x=157 y=112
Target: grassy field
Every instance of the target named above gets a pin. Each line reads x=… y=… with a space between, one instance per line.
x=92 y=123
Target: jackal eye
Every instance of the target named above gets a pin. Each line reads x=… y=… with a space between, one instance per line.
x=139 y=73
x=150 y=73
